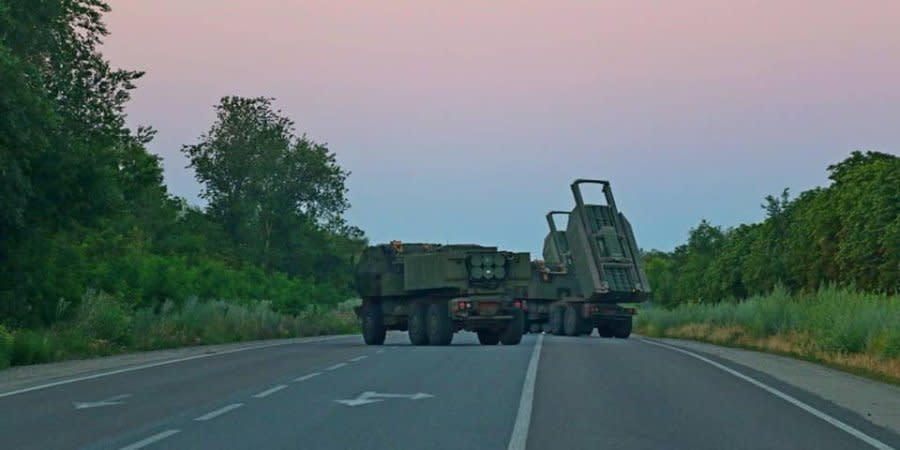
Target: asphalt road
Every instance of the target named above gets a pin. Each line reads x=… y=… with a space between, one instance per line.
x=547 y=393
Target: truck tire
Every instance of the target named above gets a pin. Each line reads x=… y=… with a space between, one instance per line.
x=572 y=324
x=373 y=329
x=418 y=332
x=512 y=334
x=605 y=330
x=486 y=337
x=440 y=327
x=623 y=329
x=556 y=320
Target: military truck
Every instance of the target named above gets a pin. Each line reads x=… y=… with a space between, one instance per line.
x=588 y=270
x=432 y=291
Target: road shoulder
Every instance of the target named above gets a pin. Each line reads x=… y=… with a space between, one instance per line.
x=878 y=402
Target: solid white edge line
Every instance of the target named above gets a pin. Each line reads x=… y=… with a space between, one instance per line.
x=151 y=440
x=519 y=435
x=218 y=412
x=307 y=376
x=161 y=363
x=270 y=391
x=358 y=358
x=821 y=415
x=336 y=366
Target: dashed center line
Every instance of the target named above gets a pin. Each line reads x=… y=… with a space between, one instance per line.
x=218 y=412
x=308 y=376
x=150 y=440
x=380 y=351
x=270 y=391
x=358 y=358
x=336 y=366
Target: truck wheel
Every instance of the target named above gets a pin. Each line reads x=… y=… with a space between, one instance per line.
x=486 y=337
x=418 y=334
x=373 y=329
x=440 y=327
x=512 y=334
x=571 y=322
x=556 y=320
x=623 y=329
x=604 y=330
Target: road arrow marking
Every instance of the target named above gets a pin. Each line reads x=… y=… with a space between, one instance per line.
x=374 y=397
x=117 y=400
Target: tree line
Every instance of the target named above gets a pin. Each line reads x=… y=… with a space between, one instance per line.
x=846 y=234
x=83 y=203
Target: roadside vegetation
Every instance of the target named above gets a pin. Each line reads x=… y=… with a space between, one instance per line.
x=96 y=256
x=819 y=278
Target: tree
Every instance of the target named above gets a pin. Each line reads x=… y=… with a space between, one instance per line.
x=272 y=191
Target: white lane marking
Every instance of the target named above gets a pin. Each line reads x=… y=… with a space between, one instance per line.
x=821 y=415
x=164 y=363
x=380 y=351
x=218 y=412
x=117 y=400
x=270 y=391
x=308 y=376
x=155 y=438
x=336 y=366
x=519 y=435
x=374 y=397
x=358 y=358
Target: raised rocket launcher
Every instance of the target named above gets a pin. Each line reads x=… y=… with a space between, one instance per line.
x=432 y=290
x=587 y=270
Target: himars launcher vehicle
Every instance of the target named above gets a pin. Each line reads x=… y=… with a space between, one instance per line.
x=432 y=290
x=588 y=269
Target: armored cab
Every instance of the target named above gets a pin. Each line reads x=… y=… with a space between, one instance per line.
x=587 y=270
x=433 y=290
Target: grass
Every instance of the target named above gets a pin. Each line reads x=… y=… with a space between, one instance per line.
x=858 y=332
x=103 y=326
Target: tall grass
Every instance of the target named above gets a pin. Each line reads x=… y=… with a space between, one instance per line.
x=102 y=326
x=831 y=324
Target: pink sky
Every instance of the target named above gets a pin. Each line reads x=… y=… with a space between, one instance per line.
x=465 y=120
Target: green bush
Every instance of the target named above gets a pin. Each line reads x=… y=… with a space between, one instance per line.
x=837 y=320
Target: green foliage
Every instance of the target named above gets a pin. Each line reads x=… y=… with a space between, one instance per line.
x=847 y=233
x=91 y=242
x=102 y=326
x=831 y=319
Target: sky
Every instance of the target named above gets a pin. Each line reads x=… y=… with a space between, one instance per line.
x=465 y=121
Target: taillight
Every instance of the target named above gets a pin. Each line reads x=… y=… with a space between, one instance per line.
x=517 y=304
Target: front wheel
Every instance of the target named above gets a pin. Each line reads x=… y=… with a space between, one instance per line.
x=572 y=324
x=440 y=327
x=556 y=320
x=512 y=334
x=373 y=329
x=418 y=333
x=623 y=329
x=486 y=337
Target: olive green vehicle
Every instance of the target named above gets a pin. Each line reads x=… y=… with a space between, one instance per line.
x=588 y=269
x=432 y=291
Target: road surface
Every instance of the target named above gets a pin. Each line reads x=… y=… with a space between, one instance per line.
x=547 y=393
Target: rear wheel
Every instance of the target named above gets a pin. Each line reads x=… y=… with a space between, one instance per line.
x=623 y=329
x=512 y=334
x=373 y=329
x=440 y=327
x=556 y=320
x=418 y=333
x=486 y=337
x=605 y=330
x=572 y=324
